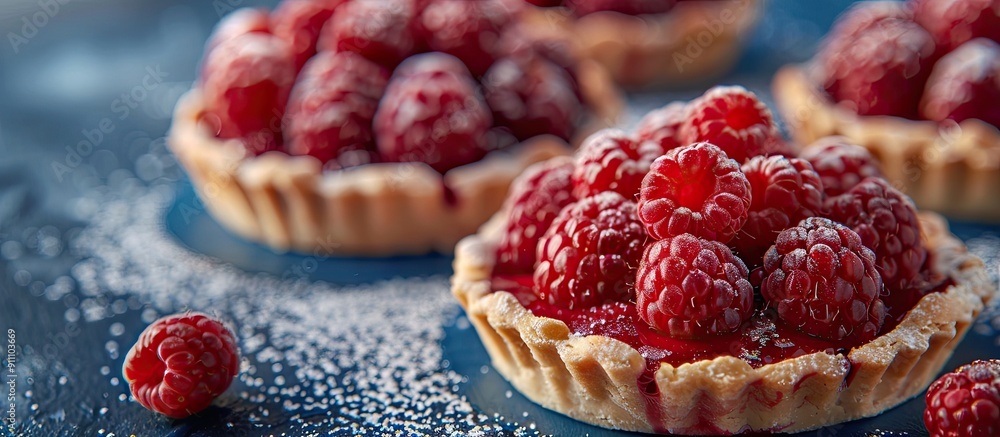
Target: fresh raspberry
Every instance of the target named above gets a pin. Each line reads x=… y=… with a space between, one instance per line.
x=966 y=402
x=380 y=31
x=432 y=113
x=821 y=279
x=862 y=15
x=783 y=192
x=881 y=70
x=181 y=363
x=523 y=45
x=245 y=85
x=840 y=164
x=887 y=222
x=535 y=199
x=697 y=190
x=332 y=105
x=468 y=30
x=590 y=253
x=239 y=22
x=532 y=98
x=965 y=84
x=299 y=23
x=953 y=22
x=733 y=119
x=610 y=160
x=628 y=7
x=691 y=287
x=545 y=3
x=663 y=125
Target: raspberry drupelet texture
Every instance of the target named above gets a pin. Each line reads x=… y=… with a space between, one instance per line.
x=239 y=22
x=966 y=402
x=733 y=119
x=953 y=22
x=840 y=164
x=299 y=24
x=532 y=96
x=663 y=125
x=965 y=84
x=332 y=106
x=181 y=363
x=784 y=191
x=690 y=287
x=590 y=253
x=245 y=84
x=468 y=30
x=694 y=189
x=383 y=32
x=432 y=113
x=535 y=199
x=821 y=279
x=887 y=222
x=611 y=160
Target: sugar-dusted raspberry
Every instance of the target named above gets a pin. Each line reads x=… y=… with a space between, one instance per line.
x=862 y=15
x=821 y=279
x=611 y=160
x=181 y=363
x=965 y=84
x=332 y=106
x=887 y=222
x=880 y=70
x=381 y=31
x=663 y=125
x=239 y=22
x=590 y=253
x=691 y=287
x=840 y=164
x=532 y=97
x=468 y=30
x=299 y=23
x=245 y=84
x=953 y=22
x=629 y=7
x=697 y=190
x=432 y=113
x=733 y=119
x=535 y=199
x=966 y=402
x=783 y=191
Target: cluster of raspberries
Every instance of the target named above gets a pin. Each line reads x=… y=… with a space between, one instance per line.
x=674 y=217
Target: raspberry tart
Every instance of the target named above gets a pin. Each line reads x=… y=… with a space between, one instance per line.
x=652 y=43
x=916 y=84
x=718 y=296
x=378 y=128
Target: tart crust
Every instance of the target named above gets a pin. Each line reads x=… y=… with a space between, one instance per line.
x=289 y=203
x=694 y=42
x=951 y=168
x=594 y=378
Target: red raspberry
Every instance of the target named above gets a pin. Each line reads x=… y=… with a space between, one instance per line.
x=840 y=165
x=629 y=7
x=822 y=280
x=532 y=98
x=966 y=402
x=468 y=30
x=953 y=22
x=380 y=31
x=181 y=363
x=239 y=22
x=432 y=113
x=245 y=85
x=697 y=190
x=610 y=160
x=299 y=23
x=545 y=3
x=880 y=70
x=524 y=46
x=535 y=199
x=783 y=192
x=965 y=84
x=663 y=125
x=862 y=15
x=332 y=105
x=590 y=253
x=887 y=222
x=733 y=119
x=691 y=287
